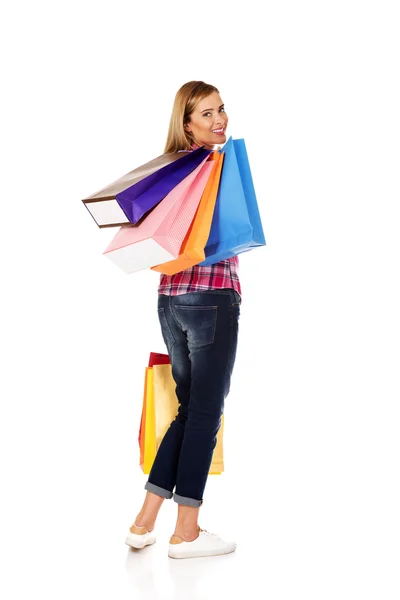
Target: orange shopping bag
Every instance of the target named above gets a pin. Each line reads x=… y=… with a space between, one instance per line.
x=192 y=249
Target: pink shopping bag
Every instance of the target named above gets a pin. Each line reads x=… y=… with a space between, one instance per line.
x=158 y=238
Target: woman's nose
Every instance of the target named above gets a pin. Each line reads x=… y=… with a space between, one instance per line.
x=220 y=120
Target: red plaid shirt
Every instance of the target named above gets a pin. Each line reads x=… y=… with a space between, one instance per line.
x=223 y=274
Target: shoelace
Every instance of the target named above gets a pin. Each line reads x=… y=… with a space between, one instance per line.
x=205 y=531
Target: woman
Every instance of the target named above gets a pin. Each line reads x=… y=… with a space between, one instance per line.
x=198 y=311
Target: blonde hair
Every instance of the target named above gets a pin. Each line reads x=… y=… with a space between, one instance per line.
x=185 y=102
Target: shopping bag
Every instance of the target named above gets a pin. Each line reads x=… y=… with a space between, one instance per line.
x=143 y=422
x=149 y=446
x=158 y=238
x=141 y=197
x=160 y=410
x=155 y=358
x=236 y=226
x=192 y=249
x=103 y=205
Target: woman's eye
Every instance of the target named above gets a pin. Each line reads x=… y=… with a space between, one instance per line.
x=209 y=114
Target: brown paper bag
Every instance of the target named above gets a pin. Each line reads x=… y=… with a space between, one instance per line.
x=103 y=205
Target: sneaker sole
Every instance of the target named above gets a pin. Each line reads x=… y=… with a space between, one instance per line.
x=200 y=554
x=135 y=543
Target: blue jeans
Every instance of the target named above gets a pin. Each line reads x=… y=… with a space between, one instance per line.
x=200 y=330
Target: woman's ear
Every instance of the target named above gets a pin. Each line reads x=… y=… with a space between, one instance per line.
x=186 y=127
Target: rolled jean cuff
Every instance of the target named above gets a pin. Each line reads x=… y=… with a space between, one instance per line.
x=187 y=501
x=159 y=491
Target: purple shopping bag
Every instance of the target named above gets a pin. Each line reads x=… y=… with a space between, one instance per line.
x=141 y=197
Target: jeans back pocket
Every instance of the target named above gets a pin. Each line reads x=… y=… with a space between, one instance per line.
x=199 y=323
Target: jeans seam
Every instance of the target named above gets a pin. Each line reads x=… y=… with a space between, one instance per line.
x=231 y=332
x=160 y=311
x=195 y=307
x=173 y=314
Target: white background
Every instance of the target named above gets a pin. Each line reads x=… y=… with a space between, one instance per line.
x=311 y=488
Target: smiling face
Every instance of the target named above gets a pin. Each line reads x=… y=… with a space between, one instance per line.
x=208 y=122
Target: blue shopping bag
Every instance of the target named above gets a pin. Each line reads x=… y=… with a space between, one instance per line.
x=141 y=197
x=236 y=226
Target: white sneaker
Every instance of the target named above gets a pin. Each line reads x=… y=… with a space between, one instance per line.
x=139 y=537
x=206 y=544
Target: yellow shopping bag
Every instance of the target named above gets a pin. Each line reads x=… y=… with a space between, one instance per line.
x=149 y=424
x=160 y=407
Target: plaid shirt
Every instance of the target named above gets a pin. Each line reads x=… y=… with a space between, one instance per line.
x=223 y=274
